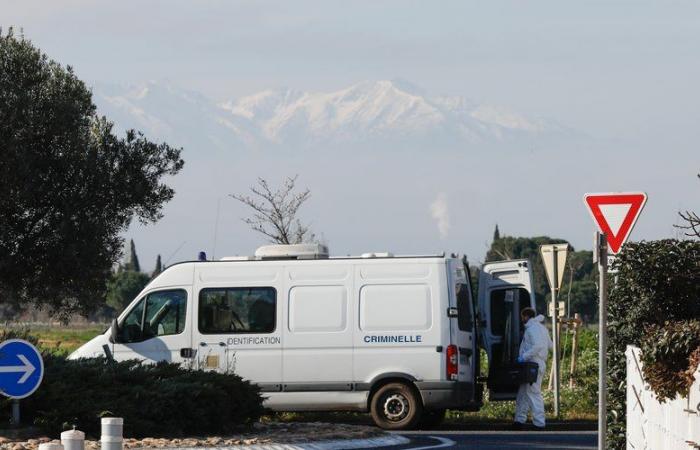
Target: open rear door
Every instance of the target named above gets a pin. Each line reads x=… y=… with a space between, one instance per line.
x=505 y=288
x=463 y=331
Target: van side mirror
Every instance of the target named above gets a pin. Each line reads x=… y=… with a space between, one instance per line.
x=114 y=331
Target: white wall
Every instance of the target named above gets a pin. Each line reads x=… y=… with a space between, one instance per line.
x=673 y=425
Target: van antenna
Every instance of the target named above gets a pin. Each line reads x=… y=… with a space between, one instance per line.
x=216 y=226
x=174 y=253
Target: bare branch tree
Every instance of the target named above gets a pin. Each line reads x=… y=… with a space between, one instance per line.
x=692 y=225
x=692 y=222
x=275 y=211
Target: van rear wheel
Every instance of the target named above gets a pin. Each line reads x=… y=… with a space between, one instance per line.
x=396 y=406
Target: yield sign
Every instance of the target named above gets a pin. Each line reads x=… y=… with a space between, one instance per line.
x=615 y=214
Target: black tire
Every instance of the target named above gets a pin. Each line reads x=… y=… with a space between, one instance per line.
x=396 y=406
x=432 y=419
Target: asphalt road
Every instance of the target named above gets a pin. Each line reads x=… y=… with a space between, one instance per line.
x=493 y=440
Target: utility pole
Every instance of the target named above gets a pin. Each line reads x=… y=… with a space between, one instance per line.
x=602 y=254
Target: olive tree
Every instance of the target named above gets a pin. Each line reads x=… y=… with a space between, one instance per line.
x=68 y=184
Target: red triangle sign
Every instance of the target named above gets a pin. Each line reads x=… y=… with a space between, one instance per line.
x=615 y=213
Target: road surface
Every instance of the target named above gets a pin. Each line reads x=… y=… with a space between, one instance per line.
x=498 y=440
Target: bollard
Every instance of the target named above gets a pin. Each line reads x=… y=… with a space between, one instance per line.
x=73 y=440
x=50 y=446
x=112 y=430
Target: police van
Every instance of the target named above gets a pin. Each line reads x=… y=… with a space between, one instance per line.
x=398 y=336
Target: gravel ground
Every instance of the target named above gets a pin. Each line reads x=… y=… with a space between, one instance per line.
x=262 y=433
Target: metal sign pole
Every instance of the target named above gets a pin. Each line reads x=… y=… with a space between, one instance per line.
x=555 y=333
x=602 y=244
x=15 y=413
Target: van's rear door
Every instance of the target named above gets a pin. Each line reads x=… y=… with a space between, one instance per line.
x=505 y=288
x=463 y=327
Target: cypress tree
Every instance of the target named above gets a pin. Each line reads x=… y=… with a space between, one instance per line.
x=132 y=263
x=496 y=234
x=159 y=267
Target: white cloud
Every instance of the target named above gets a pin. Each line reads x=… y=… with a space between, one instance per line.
x=441 y=213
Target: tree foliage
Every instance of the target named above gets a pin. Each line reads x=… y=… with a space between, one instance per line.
x=578 y=284
x=670 y=356
x=68 y=184
x=275 y=211
x=132 y=261
x=657 y=282
x=124 y=286
x=159 y=267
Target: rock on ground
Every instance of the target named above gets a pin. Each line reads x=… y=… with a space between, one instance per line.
x=261 y=433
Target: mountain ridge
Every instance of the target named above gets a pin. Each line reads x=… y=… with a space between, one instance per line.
x=392 y=110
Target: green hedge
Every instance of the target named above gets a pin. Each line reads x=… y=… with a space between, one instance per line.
x=657 y=282
x=670 y=357
x=154 y=400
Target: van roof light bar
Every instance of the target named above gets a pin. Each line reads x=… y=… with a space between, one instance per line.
x=292 y=251
x=378 y=255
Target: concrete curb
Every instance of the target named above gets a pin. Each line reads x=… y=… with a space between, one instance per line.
x=340 y=444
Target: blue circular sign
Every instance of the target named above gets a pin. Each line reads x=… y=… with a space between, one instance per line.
x=21 y=368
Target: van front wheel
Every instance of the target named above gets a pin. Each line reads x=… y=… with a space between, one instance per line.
x=396 y=406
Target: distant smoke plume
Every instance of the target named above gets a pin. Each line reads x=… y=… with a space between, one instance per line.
x=440 y=212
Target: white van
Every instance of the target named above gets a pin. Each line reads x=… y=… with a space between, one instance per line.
x=393 y=335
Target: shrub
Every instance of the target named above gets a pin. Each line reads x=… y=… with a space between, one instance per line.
x=18 y=333
x=670 y=358
x=153 y=399
x=586 y=375
x=656 y=282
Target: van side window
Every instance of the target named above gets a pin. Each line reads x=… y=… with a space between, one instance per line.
x=464 y=307
x=237 y=310
x=158 y=314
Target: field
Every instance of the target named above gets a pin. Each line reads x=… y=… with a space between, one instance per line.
x=63 y=340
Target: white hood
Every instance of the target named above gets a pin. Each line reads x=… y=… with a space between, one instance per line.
x=92 y=348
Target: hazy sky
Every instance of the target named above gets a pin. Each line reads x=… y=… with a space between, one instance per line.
x=625 y=71
x=610 y=66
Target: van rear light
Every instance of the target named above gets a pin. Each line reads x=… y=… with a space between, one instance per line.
x=452 y=362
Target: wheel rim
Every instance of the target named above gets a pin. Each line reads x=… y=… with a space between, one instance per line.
x=396 y=407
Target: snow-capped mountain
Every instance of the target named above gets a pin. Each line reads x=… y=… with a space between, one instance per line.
x=372 y=110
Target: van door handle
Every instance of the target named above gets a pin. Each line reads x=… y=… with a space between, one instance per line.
x=465 y=351
x=186 y=352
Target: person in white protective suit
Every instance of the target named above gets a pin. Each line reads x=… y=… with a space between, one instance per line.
x=535 y=347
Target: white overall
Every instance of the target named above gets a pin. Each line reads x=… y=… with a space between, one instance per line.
x=534 y=348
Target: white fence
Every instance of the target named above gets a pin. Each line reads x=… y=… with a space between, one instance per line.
x=674 y=425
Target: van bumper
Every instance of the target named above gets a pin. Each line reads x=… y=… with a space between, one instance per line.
x=456 y=395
